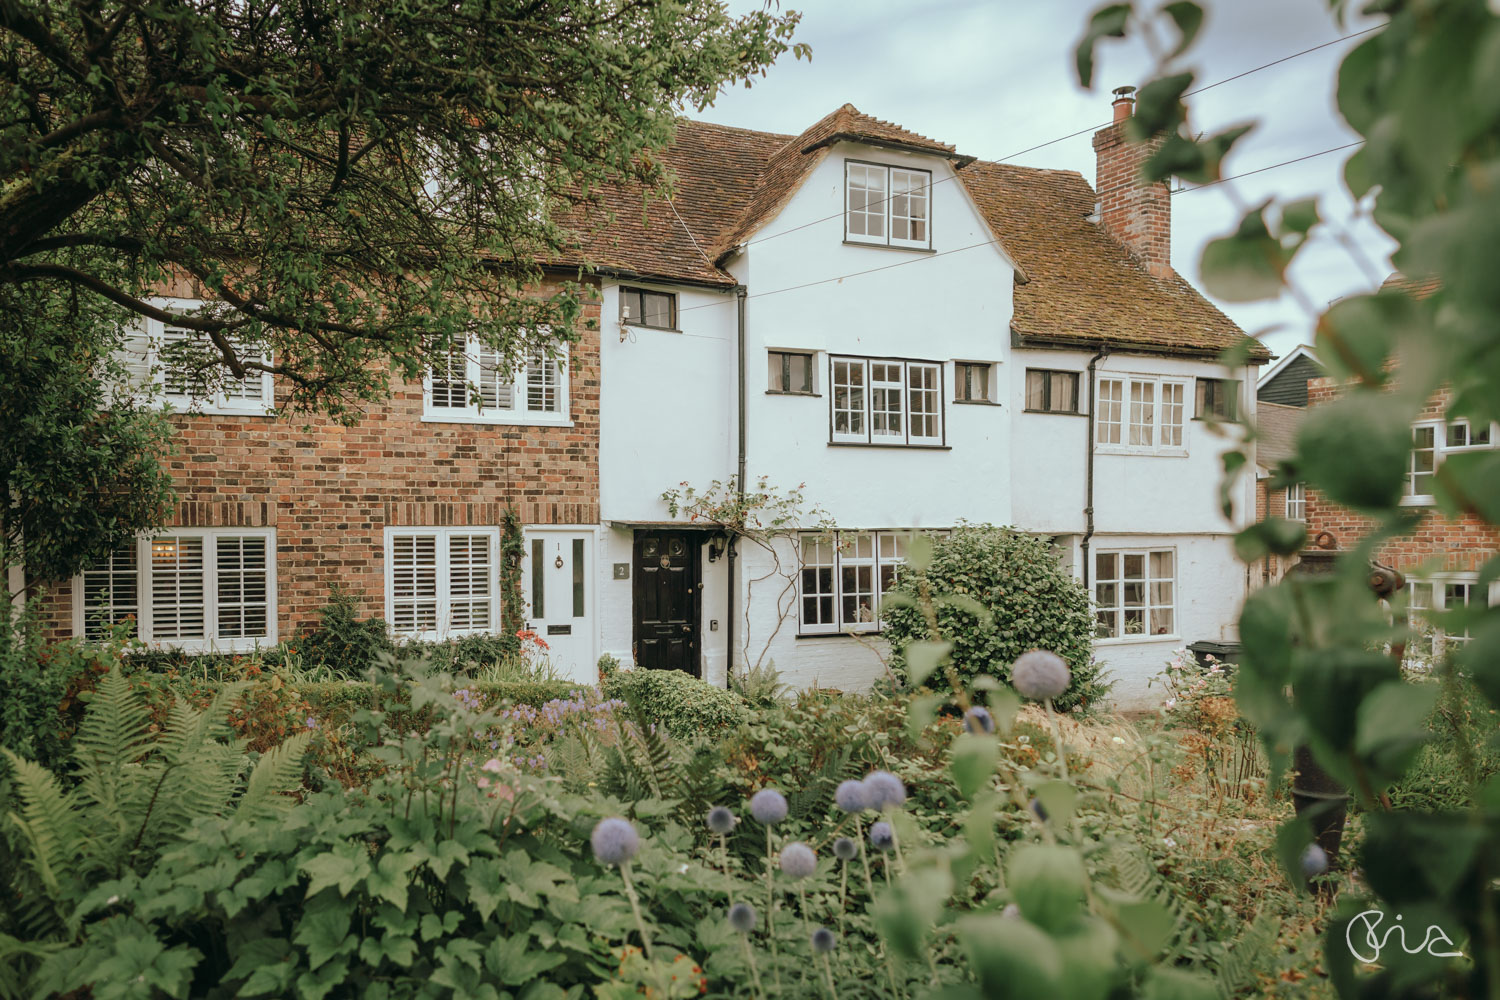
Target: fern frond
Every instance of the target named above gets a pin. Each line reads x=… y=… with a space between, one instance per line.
x=17 y=960
x=1128 y=870
x=47 y=822
x=1246 y=956
x=277 y=772
x=114 y=734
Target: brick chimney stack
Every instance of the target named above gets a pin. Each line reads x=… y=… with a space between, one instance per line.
x=1137 y=214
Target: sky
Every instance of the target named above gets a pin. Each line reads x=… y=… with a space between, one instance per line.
x=996 y=77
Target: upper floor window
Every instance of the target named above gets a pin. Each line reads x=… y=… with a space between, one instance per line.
x=656 y=310
x=1140 y=414
x=198 y=589
x=1051 y=391
x=1296 y=502
x=472 y=383
x=884 y=401
x=973 y=382
x=1134 y=593
x=442 y=582
x=186 y=368
x=1217 y=398
x=887 y=205
x=789 y=372
x=1431 y=442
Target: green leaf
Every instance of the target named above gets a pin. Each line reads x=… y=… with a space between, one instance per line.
x=324 y=931
x=906 y=914
x=974 y=757
x=1048 y=884
x=1393 y=726
x=1106 y=22
x=1089 y=958
x=1147 y=924
x=345 y=866
x=1011 y=958
x=923 y=657
x=1299 y=216
x=920 y=712
x=1189 y=18
x=1355 y=449
x=1158 y=107
x=1246 y=266
x=1195 y=162
x=1177 y=984
x=1275 y=535
x=1470 y=483
x=388 y=881
x=517 y=964
x=1005 y=705
x=1058 y=799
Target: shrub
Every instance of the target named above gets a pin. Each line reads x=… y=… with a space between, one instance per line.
x=1017 y=579
x=684 y=704
x=342 y=640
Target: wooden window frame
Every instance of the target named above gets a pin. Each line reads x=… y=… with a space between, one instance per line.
x=210 y=642
x=887 y=239
x=672 y=317
x=1224 y=406
x=867 y=436
x=811 y=357
x=1149 y=606
x=149 y=379
x=888 y=551
x=1296 y=497
x=443 y=628
x=1441 y=432
x=479 y=362
x=1159 y=407
x=1047 y=406
x=963 y=389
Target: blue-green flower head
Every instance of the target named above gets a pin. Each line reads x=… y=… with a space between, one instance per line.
x=884 y=790
x=1314 y=861
x=824 y=940
x=845 y=849
x=882 y=836
x=798 y=860
x=852 y=796
x=1039 y=675
x=742 y=917
x=615 y=841
x=979 y=720
x=719 y=820
x=768 y=806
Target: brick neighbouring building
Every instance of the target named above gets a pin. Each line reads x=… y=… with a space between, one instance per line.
x=328 y=492
x=1276 y=429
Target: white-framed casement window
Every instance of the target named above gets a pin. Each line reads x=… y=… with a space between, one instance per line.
x=885 y=401
x=196 y=589
x=1296 y=502
x=887 y=206
x=178 y=366
x=442 y=582
x=1135 y=593
x=1428 y=599
x=844 y=576
x=1140 y=414
x=471 y=384
x=1431 y=442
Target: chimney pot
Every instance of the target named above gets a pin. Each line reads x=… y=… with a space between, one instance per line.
x=1124 y=103
x=1139 y=215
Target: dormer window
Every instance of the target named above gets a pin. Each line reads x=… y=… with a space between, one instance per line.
x=887 y=206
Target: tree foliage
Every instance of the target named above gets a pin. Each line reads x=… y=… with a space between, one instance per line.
x=353 y=185
x=1421 y=92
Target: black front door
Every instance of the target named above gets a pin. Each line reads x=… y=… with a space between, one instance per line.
x=666 y=600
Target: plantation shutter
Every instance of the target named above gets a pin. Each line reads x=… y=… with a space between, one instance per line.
x=135 y=356
x=243 y=587
x=177 y=590
x=469 y=594
x=450 y=378
x=414 y=583
x=110 y=592
x=542 y=384
x=496 y=389
x=248 y=389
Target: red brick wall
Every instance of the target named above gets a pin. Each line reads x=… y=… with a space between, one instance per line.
x=1139 y=215
x=1271 y=503
x=329 y=490
x=1460 y=545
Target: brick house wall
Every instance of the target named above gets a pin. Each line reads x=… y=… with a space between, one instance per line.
x=1272 y=503
x=1462 y=545
x=329 y=491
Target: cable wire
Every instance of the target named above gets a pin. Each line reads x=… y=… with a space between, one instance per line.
x=1261 y=170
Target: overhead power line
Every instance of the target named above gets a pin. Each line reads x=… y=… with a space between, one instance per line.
x=1261 y=170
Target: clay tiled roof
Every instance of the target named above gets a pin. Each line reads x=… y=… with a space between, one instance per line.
x=1417 y=288
x=1077 y=285
x=1084 y=287
x=1276 y=429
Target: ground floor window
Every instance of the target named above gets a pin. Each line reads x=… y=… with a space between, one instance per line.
x=844 y=575
x=1427 y=600
x=1134 y=593
x=197 y=589
x=442 y=582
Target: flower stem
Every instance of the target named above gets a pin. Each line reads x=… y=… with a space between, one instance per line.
x=635 y=907
x=828 y=977
x=754 y=970
x=724 y=857
x=1057 y=738
x=771 y=911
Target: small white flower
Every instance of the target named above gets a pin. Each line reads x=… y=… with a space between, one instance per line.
x=1120 y=740
x=1171 y=702
x=682 y=868
x=1023 y=739
x=1169 y=841
x=111 y=901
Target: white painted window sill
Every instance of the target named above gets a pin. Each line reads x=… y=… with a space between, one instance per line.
x=505 y=421
x=1106 y=449
x=1131 y=640
x=195 y=647
x=1418 y=501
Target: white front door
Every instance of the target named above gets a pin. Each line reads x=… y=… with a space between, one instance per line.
x=557 y=584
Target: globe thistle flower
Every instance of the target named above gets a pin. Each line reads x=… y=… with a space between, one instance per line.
x=798 y=860
x=615 y=841
x=1314 y=861
x=882 y=836
x=1039 y=675
x=845 y=849
x=768 y=806
x=979 y=720
x=824 y=940
x=742 y=917
x=884 y=790
x=852 y=796
x=1011 y=912
x=1037 y=809
x=719 y=820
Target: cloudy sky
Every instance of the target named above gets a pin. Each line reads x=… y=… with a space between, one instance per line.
x=995 y=77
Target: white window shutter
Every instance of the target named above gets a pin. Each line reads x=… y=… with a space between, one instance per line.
x=242 y=587
x=541 y=384
x=496 y=388
x=414 y=583
x=469 y=594
x=177 y=588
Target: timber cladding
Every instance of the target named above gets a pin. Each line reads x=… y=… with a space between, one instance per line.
x=329 y=491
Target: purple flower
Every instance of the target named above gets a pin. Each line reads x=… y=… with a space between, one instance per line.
x=742 y=917
x=768 y=806
x=312 y=723
x=1039 y=675
x=615 y=841
x=845 y=849
x=824 y=940
x=798 y=860
x=882 y=836
x=1314 y=861
x=852 y=796
x=979 y=720
x=884 y=790
x=720 y=820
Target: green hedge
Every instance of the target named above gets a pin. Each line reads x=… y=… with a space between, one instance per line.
x=686 y=705
x=335 y=702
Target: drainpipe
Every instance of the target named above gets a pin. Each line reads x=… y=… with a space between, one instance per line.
x=1088 y=474
x=739 y=482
